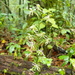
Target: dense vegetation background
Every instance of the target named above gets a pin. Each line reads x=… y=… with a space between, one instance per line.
x=38 y=30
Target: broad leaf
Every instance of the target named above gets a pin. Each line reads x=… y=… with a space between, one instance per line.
x=55 y=26
x=41 y=26
x=64 y=57
x=24 y=26
x=51 y=20
x=64 y=31
x=11 y=49
x=72 y=62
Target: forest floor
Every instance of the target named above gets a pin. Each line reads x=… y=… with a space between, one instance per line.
x=18 y=65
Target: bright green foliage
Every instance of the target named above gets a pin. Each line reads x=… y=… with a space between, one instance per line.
x=38 y=23
x=72 y=61
x=2 y=17
x=14 y=48
x=68 y=58
x=65 y=58
x=62 y=71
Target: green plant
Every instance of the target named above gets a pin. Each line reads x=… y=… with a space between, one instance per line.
x=72 y=61
x=13 y=47
x=2 y=24
x=62 y=71
x=46 y=21
x=39 y=60
x=68 y=58
x=5 y=71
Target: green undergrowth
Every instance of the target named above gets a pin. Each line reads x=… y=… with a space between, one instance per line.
x=44 y=25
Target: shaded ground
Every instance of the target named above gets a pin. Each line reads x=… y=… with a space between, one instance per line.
x=18 y=66
x=14 y=65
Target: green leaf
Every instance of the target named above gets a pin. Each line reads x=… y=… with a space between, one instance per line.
x=41 y=26
x=45 y=11
x=49 y=46
x=64 y=57
x=55 y=26
x=11 y=49
x=62 y=71
x=45 y=60
x=52 y=9
x=72 y=62
x=26 y=11
x=51 y=20
x=26 y=52
x=24 y=26
x=55 y=34
x=15 y=29
x=43 y=1
x=5 y=70
x=0 y=23
x=65 y=63
x=17 y=46
x=64 y=31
